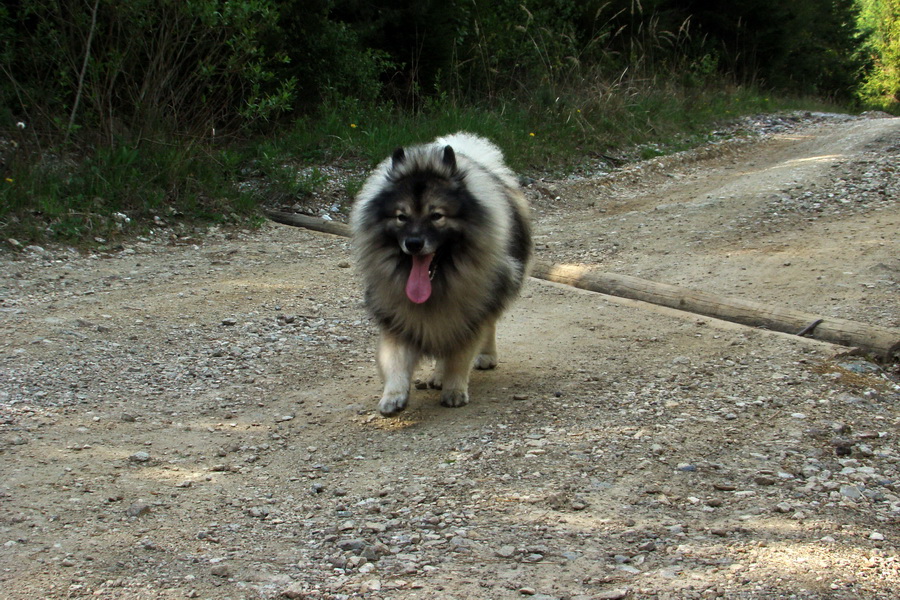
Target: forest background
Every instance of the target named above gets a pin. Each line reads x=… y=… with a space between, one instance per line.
x=117 y=115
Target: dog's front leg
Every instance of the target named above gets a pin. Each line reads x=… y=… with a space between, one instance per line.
x=455 y=377
x=396 y=363
x=487 y=354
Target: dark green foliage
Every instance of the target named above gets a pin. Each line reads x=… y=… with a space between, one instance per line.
x=199 y=109
x=134 y=69
x=326 y=58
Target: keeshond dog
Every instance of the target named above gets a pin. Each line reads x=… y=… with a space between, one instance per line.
x=442 y=238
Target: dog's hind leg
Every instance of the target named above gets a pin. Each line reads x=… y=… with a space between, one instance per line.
x=487 y=355
x=396 y=363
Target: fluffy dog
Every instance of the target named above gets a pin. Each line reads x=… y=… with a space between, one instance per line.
x=442 y=239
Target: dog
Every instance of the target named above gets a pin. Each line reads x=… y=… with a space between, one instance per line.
x=442 y=238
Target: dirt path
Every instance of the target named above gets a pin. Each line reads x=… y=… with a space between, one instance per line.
x=196 y=418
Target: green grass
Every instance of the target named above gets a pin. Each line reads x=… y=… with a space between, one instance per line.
x=77 y=199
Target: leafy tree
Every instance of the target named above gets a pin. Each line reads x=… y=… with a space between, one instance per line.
x=879 y=24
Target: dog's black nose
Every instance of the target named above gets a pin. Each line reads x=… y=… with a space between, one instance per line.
x=414 y=245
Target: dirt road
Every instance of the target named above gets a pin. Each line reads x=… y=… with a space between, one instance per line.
x=193 y=416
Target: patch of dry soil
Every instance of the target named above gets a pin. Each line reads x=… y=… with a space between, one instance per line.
x=196 y=419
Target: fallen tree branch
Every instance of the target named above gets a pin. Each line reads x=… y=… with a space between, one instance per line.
x=881 y=341
x=884 y=342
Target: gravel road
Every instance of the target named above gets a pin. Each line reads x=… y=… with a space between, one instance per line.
x=193 y=415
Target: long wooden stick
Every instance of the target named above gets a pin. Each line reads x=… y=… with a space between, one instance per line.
x=884 y=342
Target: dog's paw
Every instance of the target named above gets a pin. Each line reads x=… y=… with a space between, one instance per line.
x=485 y=361
x=391 y=404
x=436 y=381
x=454 y=398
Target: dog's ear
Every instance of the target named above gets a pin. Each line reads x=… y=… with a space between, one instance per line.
x=397 y=158
x=449 y=158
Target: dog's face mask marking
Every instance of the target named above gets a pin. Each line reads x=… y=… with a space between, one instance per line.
x=423 y=218
x=421 y=227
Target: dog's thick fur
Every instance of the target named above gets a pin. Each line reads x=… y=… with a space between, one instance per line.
x=442 y=239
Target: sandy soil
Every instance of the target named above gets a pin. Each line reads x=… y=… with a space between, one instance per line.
x=194 y=416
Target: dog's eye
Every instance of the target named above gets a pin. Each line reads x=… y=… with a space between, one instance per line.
x=402 y=218
x=436 y=216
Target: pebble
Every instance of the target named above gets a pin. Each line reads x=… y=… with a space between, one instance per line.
x=851 y=491
x=352 y=544
x=138 y=509
x=220 y=570
x=139 y=457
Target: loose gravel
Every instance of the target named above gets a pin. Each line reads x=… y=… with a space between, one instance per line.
x=193 y=415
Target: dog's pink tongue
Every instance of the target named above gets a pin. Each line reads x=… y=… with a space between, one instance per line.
x=418 y=286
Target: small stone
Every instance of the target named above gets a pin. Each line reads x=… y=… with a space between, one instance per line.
x=229 y=322
x=344 y=264
x=351 y=544
x=506 y=551
x=686 y=468
x=783 y=507
x=851 y=491
x=139 y=457
x=527 y=591
x=258 y=512
x=842 y=446
x=138 y=509
x=220 y=571
x=614 y=594
x=295 y=591
x=148 y=544
x=875 y=536
x=376 y=527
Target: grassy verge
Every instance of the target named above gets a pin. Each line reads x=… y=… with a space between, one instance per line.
x=126 y=190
